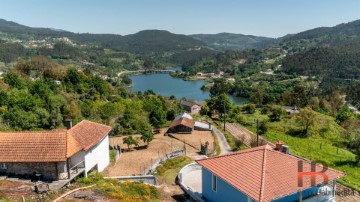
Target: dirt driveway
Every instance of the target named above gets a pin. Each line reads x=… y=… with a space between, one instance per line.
x=134 y=161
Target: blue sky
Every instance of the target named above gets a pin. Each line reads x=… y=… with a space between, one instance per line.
x=273 y=18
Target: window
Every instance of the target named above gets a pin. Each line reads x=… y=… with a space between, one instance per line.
x=214 y=182
x=3 y=166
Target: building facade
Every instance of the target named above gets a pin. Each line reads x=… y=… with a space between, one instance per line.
x=55 y=155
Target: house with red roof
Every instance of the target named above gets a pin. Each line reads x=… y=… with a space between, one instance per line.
x=55 y=155
x=266 y=174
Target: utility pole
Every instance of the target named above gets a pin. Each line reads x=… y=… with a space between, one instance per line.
x=224 y=116
x=257 y=132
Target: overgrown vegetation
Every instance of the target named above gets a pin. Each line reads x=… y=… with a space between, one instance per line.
x=175 y=163
x=124 y=191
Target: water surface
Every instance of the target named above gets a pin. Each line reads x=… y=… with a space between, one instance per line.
x=164 y=84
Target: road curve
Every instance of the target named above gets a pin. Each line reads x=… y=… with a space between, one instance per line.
x=224 y=146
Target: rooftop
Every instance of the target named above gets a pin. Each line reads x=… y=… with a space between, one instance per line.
x=183 y=121
x=50 y=146
x=263 y=173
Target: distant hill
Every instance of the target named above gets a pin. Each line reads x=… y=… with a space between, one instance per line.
x=325 y=51
x=143 y=42
x=229 y=41
x=344 y=32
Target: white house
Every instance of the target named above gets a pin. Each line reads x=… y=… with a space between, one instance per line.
x=56 y=155
x=89 y=142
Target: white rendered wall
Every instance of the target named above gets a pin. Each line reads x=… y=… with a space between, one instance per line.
x=99 y=155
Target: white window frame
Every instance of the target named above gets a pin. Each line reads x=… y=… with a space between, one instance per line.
x=214 y=182
x=3 y=166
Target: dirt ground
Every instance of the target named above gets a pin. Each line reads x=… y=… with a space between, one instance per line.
x=133 y=162
x=14 y=191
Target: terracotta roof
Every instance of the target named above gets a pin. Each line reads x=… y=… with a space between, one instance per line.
x=183 y=121
x=49 y=146
x=85 y=135
x=187 y=103
x=263 y=173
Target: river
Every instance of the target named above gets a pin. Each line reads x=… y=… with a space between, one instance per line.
x=164 y=84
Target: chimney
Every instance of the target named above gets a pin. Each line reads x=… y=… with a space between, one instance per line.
x=279 y=144
x=68 y=123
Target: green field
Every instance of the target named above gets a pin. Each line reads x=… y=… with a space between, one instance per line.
x=319 y=147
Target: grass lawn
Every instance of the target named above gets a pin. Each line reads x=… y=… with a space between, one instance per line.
x=319 y=147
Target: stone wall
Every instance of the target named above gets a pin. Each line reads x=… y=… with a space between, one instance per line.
x=48 y=171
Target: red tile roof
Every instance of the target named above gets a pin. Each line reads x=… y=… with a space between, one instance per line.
x=85 y=135
x=263 y=173
x=50 y=146
x=183 y=121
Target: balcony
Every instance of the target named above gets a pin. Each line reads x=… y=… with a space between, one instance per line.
x=77 y=169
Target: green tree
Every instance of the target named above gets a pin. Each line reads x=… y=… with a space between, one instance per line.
x=220 y=103
x=3 y=97
x=221 y=86
x=276 y=114
x=355 y=144
x=344 y=114
x=14 y=80
x=157 y=117
x=147 y=137
x=249 y=108
x=306 y=118
x=263 y=127
x=20 y=119
x=129 y=140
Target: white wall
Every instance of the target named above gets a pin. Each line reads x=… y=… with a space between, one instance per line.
x=77 y=158
x=99 y=155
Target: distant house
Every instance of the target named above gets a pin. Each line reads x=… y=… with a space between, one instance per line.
x=291 y=110
x=199 y=74
x=55 y=155
x=183 y=115
x=191 y=107
x=265 y=174
x=230 y=79
x=182 y=125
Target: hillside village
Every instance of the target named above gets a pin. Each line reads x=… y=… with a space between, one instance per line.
x=136 y=113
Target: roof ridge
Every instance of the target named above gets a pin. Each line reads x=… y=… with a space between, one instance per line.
x=41 y=131
x=239 y=152
x=262 y=185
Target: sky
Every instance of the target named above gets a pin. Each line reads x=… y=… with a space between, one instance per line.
x=271 y=18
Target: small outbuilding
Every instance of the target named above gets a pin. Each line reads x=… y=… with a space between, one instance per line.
x=191 y=107
x=182 y=125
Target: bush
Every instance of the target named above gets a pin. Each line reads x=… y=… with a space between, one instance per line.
x=249 y=108
x=276 y=114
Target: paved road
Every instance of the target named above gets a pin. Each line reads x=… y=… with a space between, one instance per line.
x=224 y=146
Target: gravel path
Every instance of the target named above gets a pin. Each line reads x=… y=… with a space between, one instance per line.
x=224 y=146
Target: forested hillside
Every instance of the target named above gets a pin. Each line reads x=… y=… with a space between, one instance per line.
x=143 y=42
x=62 y=92
x=229 y=41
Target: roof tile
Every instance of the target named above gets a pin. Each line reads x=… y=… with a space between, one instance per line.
x=263 y=173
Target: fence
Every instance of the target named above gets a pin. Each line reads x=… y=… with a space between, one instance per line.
x=149 y=179
x=181 y=152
